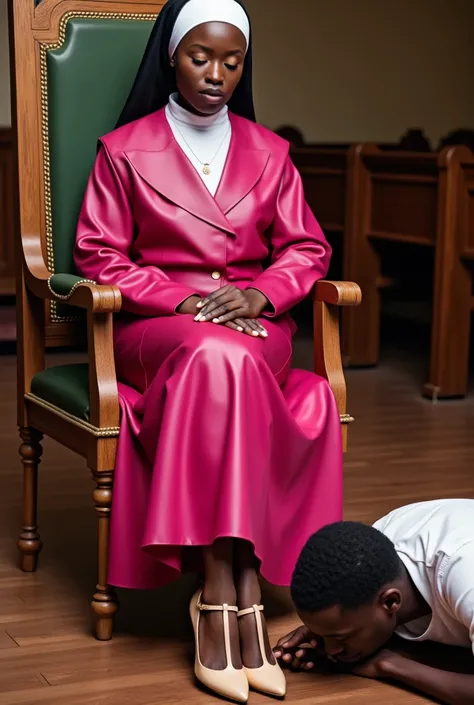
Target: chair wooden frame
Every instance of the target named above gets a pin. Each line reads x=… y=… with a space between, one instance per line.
x=30 y=29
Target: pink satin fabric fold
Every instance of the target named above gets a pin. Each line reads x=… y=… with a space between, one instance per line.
x=211 y=446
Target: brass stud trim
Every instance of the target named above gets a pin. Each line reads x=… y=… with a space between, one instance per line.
x=65 y=297
x=346 y=418
x=105 y=432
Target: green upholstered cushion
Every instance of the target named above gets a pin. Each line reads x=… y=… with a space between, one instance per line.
x=65 y=386
x=89 y=78
x=63 y=284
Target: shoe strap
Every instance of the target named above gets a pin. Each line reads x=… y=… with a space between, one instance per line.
x=250 y=610
x=225 y=609
x=257 y=610
x=217 y=608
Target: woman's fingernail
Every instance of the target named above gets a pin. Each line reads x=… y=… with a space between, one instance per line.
x=264 y=334
x=286 y=645
x=216 y=320
x=309 y=665
x=240 y=329
x=299 y=654
x=198 y=317
x=200 y=304
x=256 y=333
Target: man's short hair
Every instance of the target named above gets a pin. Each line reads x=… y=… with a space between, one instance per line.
x=346 y=564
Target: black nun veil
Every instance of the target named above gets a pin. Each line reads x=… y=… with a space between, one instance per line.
x=155 y=80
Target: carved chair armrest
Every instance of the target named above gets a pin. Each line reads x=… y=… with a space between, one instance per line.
x=64 y=288
x=327 y=349
x=85 y=293
x=103 y=389
x=338 y=293
x=100 y=302
x=76 y=291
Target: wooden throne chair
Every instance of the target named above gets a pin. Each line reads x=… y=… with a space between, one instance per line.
x=73 y=63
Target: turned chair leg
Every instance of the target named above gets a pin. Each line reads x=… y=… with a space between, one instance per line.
x=104 y=602
x=29 y=543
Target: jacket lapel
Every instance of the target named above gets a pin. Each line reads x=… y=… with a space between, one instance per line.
x=169 y=172
x=243 y=168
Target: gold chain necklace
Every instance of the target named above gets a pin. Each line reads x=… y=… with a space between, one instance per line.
x=206 y=166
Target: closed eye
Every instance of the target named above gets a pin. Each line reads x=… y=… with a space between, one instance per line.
x=232 y=67
x=199 y=62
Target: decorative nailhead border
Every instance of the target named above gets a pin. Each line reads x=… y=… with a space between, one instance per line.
x=106 y=432
x=65 y=297
x=346 y=418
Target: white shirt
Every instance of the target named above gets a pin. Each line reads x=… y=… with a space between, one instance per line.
x=204 y=140
x=435 y=541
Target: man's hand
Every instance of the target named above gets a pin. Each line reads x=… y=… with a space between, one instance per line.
x=297 y=648
x=230 y=303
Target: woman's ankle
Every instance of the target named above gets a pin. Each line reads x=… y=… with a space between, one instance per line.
x=248 y=588
x=218 y=592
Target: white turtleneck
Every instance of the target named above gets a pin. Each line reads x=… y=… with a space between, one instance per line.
x=202 y=139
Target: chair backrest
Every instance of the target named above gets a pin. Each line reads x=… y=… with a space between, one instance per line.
x=86 y=54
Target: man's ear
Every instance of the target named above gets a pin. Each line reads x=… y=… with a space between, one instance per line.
x=390 y=600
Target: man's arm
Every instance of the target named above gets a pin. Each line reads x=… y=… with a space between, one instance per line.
x=457 y=591
x=451 y=688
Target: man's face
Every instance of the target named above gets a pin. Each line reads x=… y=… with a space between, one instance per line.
x=353 y=635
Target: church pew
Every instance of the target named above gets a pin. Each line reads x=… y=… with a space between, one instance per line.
x=422 y=203
x=324 y=173
x=412 y=140
x=327 y=176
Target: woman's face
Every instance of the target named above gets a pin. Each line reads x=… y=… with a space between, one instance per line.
x=209 y=63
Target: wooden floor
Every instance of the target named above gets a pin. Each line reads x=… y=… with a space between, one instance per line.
x=402 y=449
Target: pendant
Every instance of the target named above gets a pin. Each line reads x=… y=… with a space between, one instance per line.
x=206 y=170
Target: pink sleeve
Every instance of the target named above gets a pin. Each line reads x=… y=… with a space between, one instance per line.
x=104 y=240
x=300 y=252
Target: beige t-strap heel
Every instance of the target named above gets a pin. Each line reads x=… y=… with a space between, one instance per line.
x=268 y=678
x=230 y=682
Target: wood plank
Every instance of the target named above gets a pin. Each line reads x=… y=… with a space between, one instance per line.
x=6 y=642
x=400 y=448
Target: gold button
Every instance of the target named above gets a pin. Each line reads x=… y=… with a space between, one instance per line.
x=216 y=275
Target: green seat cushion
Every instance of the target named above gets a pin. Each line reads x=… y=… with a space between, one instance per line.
x=65 y=386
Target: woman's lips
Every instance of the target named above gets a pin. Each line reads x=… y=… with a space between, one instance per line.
x=213 y=96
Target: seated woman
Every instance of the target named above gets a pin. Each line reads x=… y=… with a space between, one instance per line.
x=227 y=460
